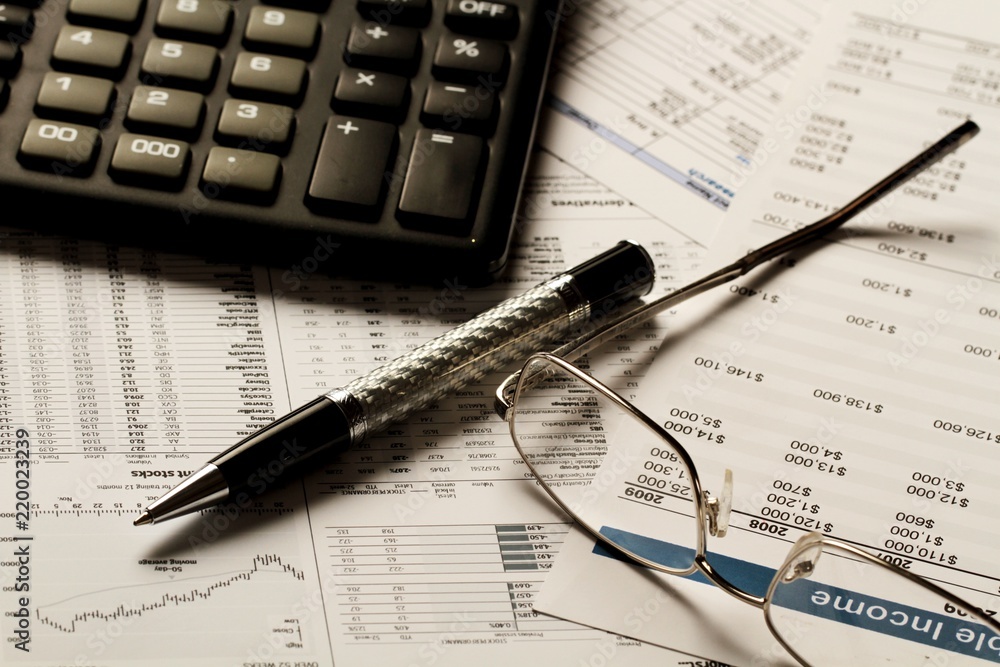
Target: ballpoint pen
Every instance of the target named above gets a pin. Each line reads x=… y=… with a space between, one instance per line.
x=540 y=317
x=547 y=314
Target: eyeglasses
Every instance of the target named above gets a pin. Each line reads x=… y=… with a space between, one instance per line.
x=608 y=466
x=616 y=472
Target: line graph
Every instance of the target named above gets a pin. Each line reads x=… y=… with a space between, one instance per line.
x=49 y=614
x=213 y=588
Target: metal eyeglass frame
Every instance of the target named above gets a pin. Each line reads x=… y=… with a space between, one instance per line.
x=711 y=512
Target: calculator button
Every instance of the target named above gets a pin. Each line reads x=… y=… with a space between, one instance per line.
x=92 y=50
x=74 y=95
x=288 y=30
x=391 y=48
x=233 y=173
x=62 y=148
x=488 y=19
x=459 y=108
x=165 y=110
x=383 y=12
x=115 y=14
x=278 y=77
x=10 y=58
x=465 y=59
x=15 y=20
x=371 y=94
x=199 y=20
x=150 y=161
x=351 y=165
x=183 y=64
x=257 y=125
x=441 y=179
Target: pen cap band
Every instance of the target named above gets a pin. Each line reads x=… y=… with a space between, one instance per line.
x=610 y=279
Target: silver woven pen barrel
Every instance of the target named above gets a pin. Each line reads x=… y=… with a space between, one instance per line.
x=510 y=331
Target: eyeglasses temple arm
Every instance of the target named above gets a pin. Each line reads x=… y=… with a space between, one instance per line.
x=929 y=156
x=644 y=312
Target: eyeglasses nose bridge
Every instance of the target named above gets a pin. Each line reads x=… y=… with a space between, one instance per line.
x=718 y=509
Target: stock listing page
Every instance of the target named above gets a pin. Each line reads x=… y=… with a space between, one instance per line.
x=851 y=387
x=124 y=370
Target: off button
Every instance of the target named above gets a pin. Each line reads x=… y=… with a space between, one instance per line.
x=478 y=17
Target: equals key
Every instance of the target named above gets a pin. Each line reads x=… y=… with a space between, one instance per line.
x=442 y=178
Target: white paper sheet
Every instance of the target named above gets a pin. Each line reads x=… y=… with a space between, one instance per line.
x=856 y=384
x=665 y=102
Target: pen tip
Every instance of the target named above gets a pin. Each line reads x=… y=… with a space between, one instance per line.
x=144 y=519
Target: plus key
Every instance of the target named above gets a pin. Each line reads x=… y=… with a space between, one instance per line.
x=353 y=158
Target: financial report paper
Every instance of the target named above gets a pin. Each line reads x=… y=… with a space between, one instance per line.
x=666 y=101
x=121 y=371
x=852 y=387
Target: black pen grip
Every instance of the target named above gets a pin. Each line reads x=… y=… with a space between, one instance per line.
x=280 y=447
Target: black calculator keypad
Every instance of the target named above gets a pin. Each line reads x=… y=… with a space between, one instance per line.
x=397 y=129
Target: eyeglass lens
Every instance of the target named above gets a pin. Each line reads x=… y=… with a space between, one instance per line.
x=604 y=464
x=832 y=607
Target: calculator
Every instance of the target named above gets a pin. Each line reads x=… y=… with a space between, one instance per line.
x=353 y=137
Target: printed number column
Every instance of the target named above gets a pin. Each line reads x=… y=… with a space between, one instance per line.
x=42 y=348
x=128 y=354
x=88 y=381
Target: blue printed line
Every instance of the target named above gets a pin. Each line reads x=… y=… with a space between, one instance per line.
x=685 y=180
x=750 y=577
x=840 y=605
